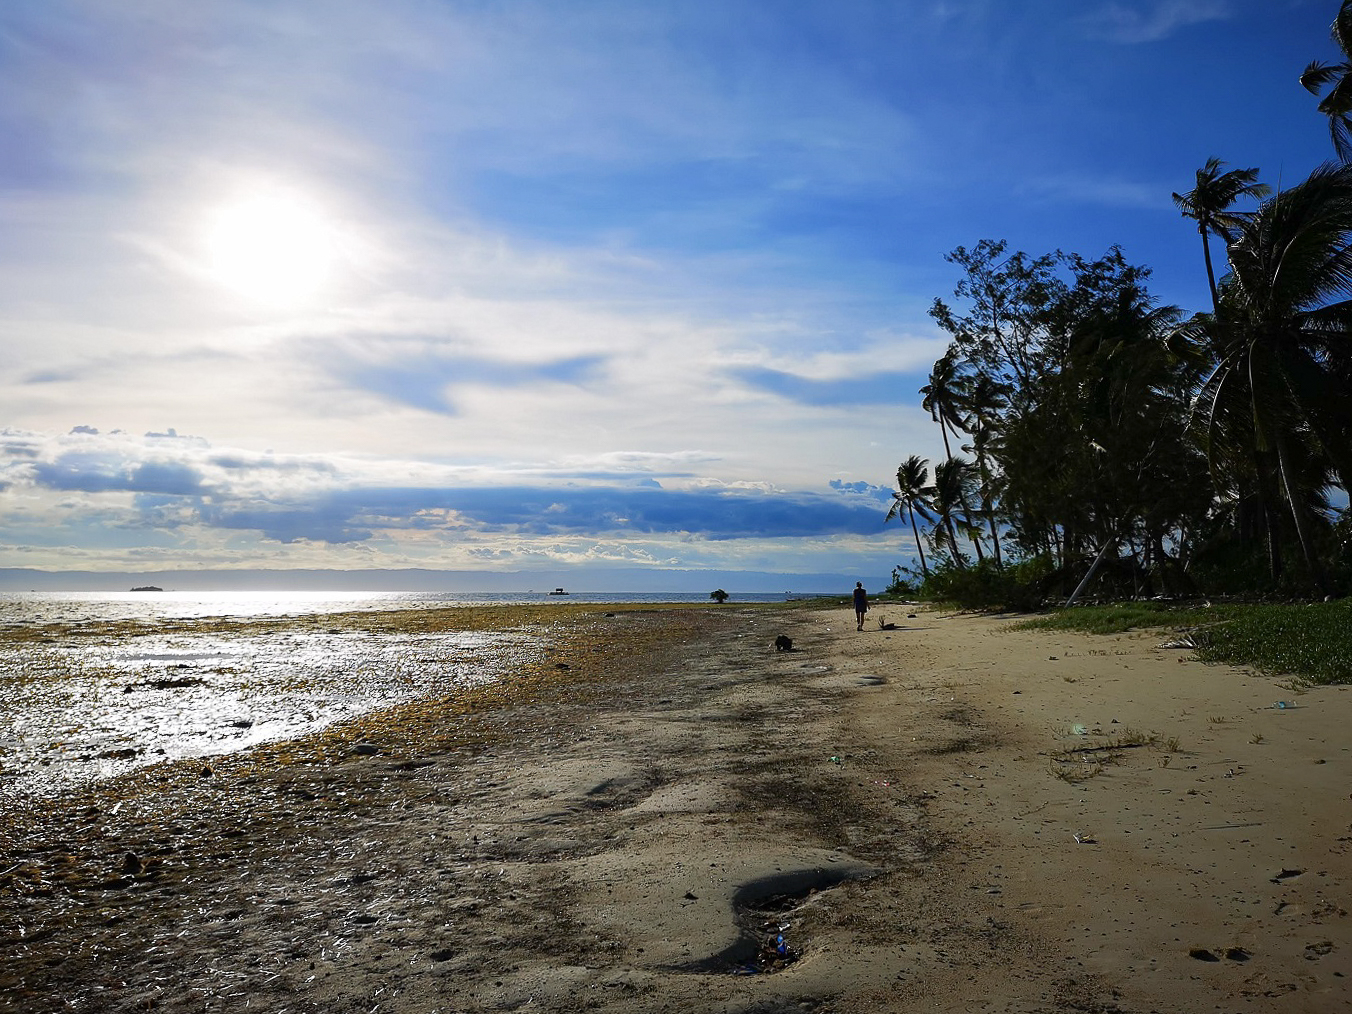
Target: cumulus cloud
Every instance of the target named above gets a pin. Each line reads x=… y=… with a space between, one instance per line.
x=862 y=489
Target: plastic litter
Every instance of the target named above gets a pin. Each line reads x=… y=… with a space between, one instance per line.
x=1283 y=705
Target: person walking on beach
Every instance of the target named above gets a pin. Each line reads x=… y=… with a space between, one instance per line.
x=860 y=604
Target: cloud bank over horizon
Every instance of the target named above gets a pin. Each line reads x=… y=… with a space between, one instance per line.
x=182 y=502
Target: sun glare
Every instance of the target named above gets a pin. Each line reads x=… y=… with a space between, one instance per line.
x=271 y=248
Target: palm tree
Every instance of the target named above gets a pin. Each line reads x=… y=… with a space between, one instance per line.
x=910 y=495
x=986 y=398
x=1337 y=104
x=944 y=393
x=1209 y=202
x=948 y=499
x=945 y=398
x=1282 y=343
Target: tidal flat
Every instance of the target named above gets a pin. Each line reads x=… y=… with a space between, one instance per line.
x=656 y=810
x=87 y=699
x=109 y=885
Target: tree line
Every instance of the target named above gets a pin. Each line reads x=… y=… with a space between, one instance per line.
x=1094 y=438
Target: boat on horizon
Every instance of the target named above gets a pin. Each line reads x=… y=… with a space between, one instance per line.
x=558 y=591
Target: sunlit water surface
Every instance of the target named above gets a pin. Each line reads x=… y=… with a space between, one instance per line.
x=94 y=702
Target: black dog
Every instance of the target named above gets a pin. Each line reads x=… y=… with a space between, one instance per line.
x=783 y=643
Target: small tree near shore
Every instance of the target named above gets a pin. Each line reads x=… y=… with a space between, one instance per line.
x=719 y=595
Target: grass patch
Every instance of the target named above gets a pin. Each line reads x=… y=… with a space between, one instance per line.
x=1311 y=642
x=1123 y=616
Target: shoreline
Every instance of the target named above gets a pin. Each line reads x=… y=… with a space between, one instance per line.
x=632 y=831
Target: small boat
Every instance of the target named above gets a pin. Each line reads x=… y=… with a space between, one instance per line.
x=558 y=591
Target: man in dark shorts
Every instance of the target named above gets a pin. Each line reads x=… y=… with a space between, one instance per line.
x=860 y=604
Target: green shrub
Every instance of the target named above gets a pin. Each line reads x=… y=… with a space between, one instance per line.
x=906 y=583
x=1019 y=586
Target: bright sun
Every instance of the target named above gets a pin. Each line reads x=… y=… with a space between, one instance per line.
x=272 y=248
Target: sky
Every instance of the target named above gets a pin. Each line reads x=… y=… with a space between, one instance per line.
x=559 y=287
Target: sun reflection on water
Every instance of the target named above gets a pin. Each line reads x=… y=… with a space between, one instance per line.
x=88 y=698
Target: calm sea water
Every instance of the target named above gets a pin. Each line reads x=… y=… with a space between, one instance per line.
x=93 y=702
x=64 y=607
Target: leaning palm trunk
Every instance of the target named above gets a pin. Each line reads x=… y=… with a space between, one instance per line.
x=1268 y=498
x=1111 y=544
x=1298 y=514
x=1210 y=272
x=974 y=535
x=924 y=570
x=987 y=508
x=953 y=542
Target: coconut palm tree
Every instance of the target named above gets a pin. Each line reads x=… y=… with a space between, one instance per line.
x=1209 y=202
x=910 y=495
x=1282 y=342
x=1337 y=104
x=985 y=398
x=943 y=395
x=947 y=499
x=945 y=398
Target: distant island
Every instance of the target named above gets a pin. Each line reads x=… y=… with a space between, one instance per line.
x=147 y=587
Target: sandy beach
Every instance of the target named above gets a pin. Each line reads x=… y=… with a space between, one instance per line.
x=665 y=813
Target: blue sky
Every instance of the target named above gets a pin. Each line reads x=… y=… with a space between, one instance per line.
x=554 y=286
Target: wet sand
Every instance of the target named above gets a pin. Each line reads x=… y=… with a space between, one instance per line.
x=948 y=816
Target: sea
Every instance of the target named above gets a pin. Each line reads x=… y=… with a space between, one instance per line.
x=94 y=684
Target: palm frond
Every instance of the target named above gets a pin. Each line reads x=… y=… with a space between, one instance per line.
x=1316 y=75
x=1341 y=29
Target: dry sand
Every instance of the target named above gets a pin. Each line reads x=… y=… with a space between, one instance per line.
x=948 y=816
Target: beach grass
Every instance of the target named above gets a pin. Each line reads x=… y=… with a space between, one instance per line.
x=1311 y=642
x=1119 y=617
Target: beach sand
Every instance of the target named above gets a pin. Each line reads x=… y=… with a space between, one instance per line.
x=946 y=816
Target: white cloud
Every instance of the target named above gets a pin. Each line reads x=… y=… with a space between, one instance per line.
x=1152 y=20
x=1097 y=190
